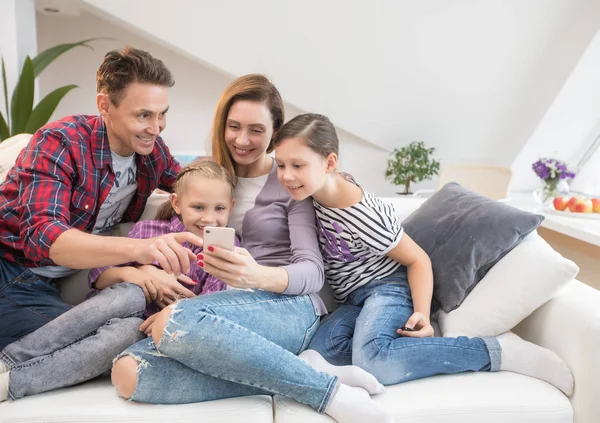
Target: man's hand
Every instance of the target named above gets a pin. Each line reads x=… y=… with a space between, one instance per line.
x=167 y=251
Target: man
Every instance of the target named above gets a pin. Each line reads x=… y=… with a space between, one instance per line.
x=76 y=179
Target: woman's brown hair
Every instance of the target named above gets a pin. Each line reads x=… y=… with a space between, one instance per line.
x=202 y=167
x=252 y=87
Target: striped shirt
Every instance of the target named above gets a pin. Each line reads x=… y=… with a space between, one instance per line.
x=355 y=240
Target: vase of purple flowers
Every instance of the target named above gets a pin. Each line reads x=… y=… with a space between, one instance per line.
x=553 y=175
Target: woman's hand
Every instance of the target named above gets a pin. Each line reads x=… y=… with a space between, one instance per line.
x=236 y=268
x=421 y=325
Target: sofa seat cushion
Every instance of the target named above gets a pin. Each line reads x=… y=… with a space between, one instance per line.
x=97 y=401
x=501 y=397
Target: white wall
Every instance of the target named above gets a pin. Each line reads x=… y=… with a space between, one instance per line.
x=17 y=40
x=471 y=78
x=570 y=125
x=192 y=99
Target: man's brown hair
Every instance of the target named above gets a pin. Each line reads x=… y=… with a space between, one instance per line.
x=124 y=66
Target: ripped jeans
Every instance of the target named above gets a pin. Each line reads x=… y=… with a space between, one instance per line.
x=229 y=344
x=363 y=332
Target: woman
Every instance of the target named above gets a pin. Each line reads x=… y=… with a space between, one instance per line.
x=244 y=341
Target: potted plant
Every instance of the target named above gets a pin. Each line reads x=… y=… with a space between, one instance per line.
x=21 y=115
x=412 y=163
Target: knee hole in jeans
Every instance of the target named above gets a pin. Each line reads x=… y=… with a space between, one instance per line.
x=124 y=376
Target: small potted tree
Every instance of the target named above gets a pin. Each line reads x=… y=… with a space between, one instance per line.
x=412 y=163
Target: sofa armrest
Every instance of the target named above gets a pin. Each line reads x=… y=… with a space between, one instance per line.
x=569 y=324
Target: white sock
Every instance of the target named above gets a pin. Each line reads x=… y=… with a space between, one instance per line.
x=348 y=375
x=3 y=368
x=354 y=405
x=528 y=359
x=4 y=377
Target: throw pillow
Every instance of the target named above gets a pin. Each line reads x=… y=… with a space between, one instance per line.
x=465 y=234
x=526 y=278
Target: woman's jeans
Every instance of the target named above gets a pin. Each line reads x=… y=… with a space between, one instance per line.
x=51 y=344
x=232 y=343
x=363 y=332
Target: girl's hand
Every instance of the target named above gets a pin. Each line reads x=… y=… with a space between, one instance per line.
x=170 y=288
x=150 y=285
x=236 y=268
x=421 y=325
x=146 y=327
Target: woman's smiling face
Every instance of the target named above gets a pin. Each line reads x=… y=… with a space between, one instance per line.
x=248 y=131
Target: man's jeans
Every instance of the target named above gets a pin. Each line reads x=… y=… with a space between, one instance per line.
x=363 y=332
x=232 y=343
x=49 y=344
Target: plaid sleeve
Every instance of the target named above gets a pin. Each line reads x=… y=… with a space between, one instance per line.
x=141 y=230
x=167 y=179
x=45 y=192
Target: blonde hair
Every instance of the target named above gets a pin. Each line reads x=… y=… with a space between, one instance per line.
x=202 y=167
x=252 y=87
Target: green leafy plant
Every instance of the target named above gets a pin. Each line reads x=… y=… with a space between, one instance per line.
x=413 y=163
x=22 y=116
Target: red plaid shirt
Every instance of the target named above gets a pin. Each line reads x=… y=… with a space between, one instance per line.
x=60 y=180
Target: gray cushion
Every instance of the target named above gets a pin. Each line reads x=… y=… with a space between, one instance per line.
x=465 y=234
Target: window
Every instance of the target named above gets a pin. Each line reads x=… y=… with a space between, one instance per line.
x=587 y=181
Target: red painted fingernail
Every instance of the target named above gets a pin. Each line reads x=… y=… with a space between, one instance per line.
x=200 y=256
x=211 y=249
x=200 y=264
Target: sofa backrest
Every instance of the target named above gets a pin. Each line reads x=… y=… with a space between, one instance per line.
x=9 y=150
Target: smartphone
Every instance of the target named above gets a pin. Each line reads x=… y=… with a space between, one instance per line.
x=407 y=329
x=220 y=236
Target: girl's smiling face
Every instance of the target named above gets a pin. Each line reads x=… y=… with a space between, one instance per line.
x=203 y=202
x=300 y=170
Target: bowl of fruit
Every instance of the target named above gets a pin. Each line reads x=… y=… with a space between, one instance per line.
x=576 y=207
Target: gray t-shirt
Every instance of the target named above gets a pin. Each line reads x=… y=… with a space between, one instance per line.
x=120 y=195
x=111 y=211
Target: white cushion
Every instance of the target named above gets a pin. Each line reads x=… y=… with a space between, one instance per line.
x=9 y=150
x=97 y=401
x=466 y=398
x=527 y=277
x=404 y=206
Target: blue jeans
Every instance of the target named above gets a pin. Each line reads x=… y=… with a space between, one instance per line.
x=232 y=343
x=363 y=332
x=48 y=344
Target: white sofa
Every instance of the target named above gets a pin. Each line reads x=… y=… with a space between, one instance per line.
x=568 y=324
